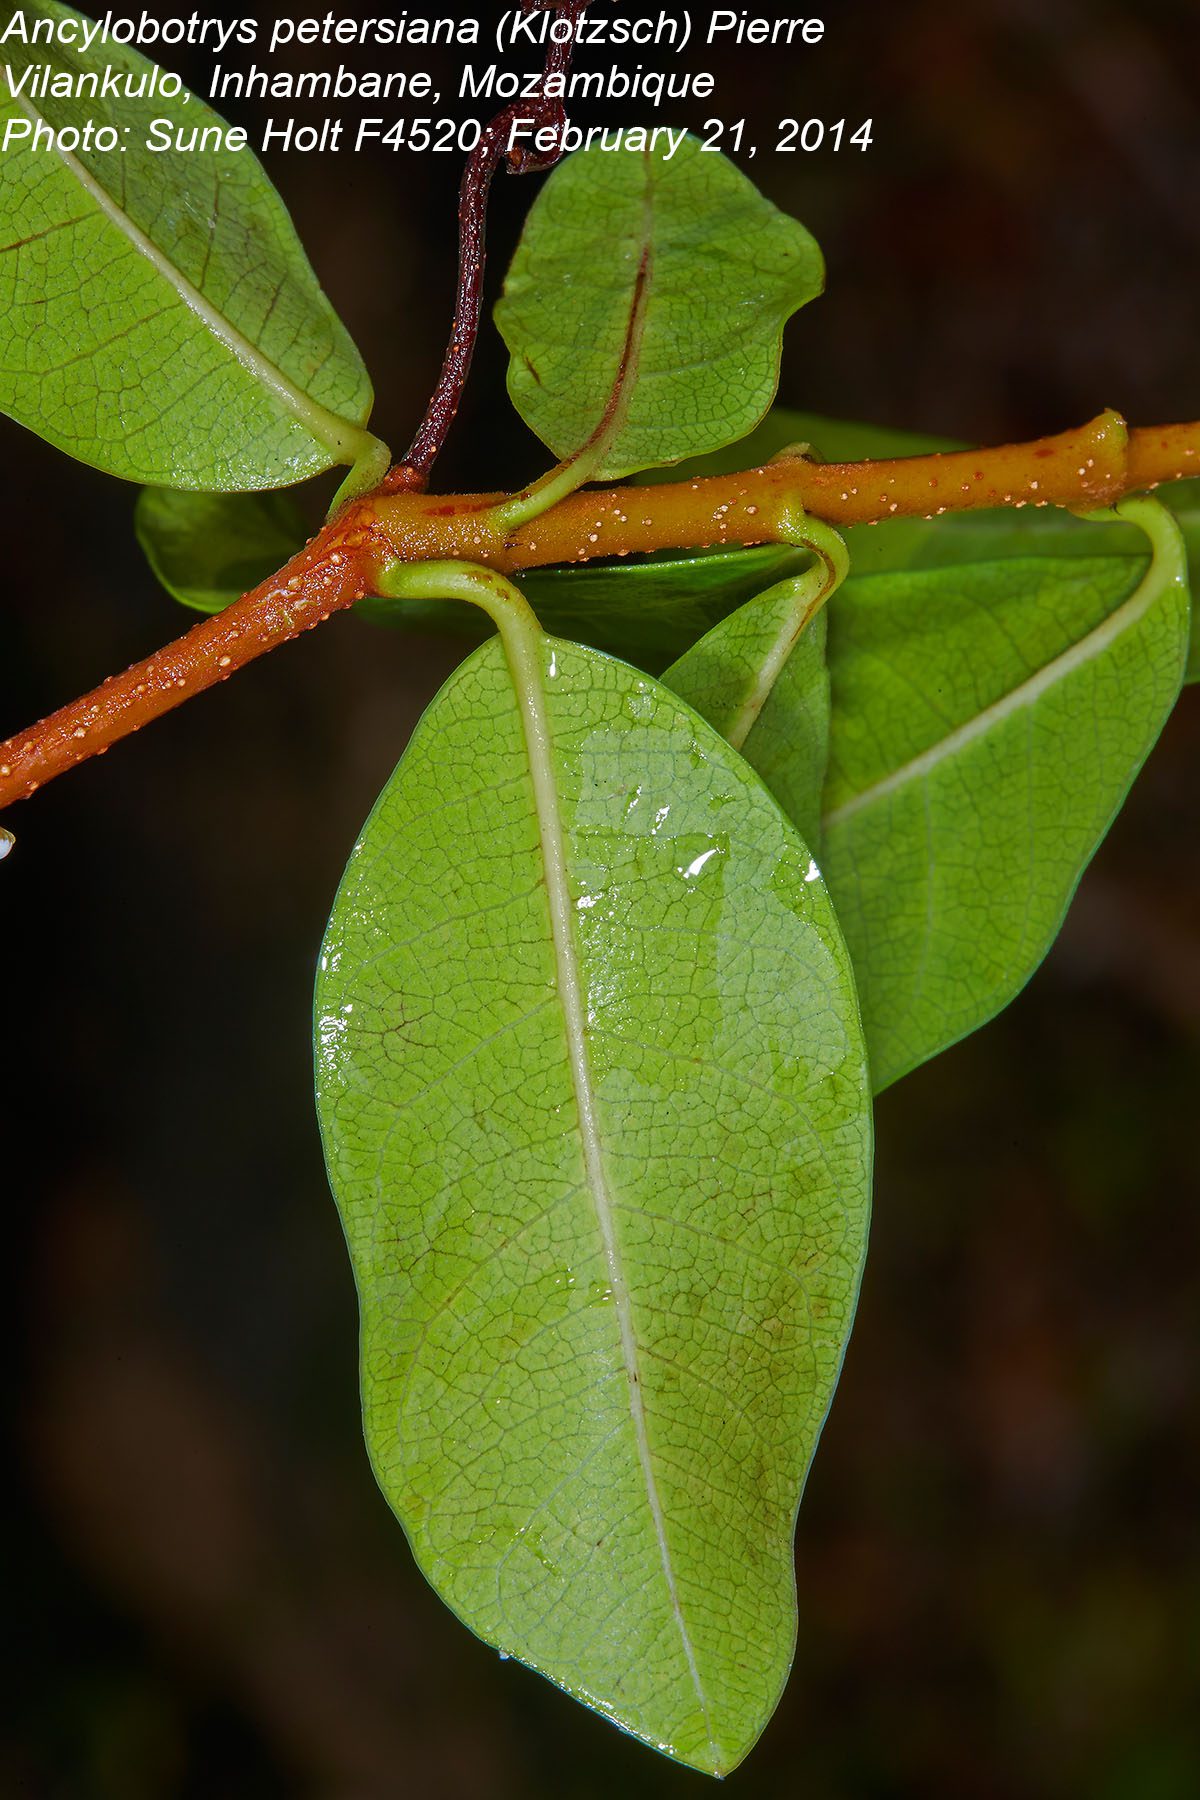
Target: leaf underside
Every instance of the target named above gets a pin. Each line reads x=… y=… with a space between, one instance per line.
x=987 y=724
x=158 y=316
x=647 y=299
x=605 y=1293
x=998 y=681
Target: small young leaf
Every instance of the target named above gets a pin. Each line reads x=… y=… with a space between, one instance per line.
x=987 y=723
x=208 y=549
x=158 y=317
x=595 y=1107
x=645 y=305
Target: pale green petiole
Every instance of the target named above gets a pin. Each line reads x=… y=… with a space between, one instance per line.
x=503 y=602
x=1168 y=567
x=730 y=674
x=805 y=595
x=556 y=484
x=371 y=461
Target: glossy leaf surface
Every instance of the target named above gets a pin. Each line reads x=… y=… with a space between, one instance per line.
x=595 y=1106
x=208 y=549
x=646 y=300
x=158 y=316
x=987 y=723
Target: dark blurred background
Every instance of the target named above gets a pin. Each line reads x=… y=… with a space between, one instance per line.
x=999 y=1553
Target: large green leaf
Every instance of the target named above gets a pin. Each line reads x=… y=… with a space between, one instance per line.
x=645 y=305
x=987 y=723
x=158 y=317
x=595 y=1108
x=988 y=720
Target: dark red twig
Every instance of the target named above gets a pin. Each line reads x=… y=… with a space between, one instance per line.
x=484 y=160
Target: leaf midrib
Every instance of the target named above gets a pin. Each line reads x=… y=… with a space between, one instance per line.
x=612 y=421
x=525 y=663
x=344 y=439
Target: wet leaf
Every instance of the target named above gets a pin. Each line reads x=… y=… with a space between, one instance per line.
x=595 y=1108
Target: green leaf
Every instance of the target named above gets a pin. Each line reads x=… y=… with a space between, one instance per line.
x=595 y=1108
x=967 y=633
x=158 y=317
x=645 y=306
x=209 y=549
x=647 y=610
x=988 y=721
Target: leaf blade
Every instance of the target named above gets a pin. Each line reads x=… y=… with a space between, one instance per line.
x=163 y=322
x=655 y=288
x=988 y=722
x=681 y=1035
x=936 y=614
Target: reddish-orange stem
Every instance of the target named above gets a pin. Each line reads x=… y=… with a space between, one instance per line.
x=1091 y=467
x=333 y=571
